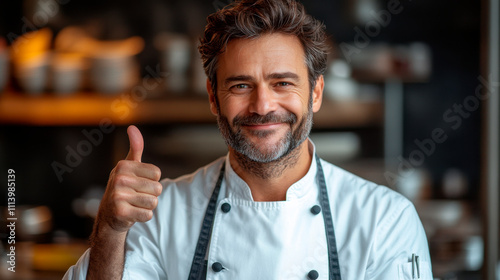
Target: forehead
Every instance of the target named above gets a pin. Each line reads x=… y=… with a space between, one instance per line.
x=265 y=54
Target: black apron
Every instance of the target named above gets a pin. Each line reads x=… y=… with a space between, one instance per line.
x=199 y=265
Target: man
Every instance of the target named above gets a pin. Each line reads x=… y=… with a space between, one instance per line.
x=270 y=209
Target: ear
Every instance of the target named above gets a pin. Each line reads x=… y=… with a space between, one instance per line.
x=211 y=98
x=317 y=94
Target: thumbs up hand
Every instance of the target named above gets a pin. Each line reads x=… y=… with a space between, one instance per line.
x=132 y=191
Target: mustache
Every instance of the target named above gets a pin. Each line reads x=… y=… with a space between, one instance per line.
x=256 y=119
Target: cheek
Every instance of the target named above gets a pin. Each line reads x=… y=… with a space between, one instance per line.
x=231 y=107
x=296 y=104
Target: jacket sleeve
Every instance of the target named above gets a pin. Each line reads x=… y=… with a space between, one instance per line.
x=79 y=270
x=143 y=254
x=400 y=234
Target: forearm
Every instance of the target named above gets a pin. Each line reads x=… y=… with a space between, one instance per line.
x=131 y=196
x=107 y=254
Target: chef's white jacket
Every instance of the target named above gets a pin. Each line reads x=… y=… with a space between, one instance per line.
x=377 y=231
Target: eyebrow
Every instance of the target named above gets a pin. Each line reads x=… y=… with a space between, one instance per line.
x=279 y=75
x=243 y=78
x=284 y=75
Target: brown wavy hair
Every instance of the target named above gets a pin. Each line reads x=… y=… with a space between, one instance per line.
x=253 y=18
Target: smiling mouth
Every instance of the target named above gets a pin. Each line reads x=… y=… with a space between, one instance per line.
x=270 y=122
x=263 y=130
x=263 y=125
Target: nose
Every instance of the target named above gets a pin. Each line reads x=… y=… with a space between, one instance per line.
x=262 y=101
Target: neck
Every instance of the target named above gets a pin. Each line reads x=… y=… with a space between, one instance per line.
x=270 y=181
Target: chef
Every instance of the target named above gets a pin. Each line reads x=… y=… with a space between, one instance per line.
x=271 y=208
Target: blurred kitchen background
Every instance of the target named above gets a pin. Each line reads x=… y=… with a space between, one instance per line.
x=410 y=102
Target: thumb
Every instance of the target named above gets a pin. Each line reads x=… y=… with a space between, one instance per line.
x=136 y=144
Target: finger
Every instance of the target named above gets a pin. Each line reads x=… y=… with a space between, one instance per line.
x=136 y=144
x=151 y=188
x=144 y=201
x=129 y=214
x=143 y=215
x=139 y=169
x=135 y=185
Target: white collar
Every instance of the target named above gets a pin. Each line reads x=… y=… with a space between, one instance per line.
x=239 y=189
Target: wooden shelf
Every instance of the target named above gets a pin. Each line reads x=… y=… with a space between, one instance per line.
x=91 y=109
x=122 y=109
x=349 y=114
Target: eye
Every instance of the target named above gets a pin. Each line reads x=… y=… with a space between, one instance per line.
x=283 y=84
x=240 y=86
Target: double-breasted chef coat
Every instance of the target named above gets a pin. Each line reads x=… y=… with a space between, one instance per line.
x=377 y=231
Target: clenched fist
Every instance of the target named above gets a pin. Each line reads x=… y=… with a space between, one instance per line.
x=133 y=189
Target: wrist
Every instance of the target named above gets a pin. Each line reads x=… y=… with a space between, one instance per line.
x=103 y=232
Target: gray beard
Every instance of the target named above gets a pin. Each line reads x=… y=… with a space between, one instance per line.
x=283 y=155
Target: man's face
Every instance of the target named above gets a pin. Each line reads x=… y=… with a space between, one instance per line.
x=264 y=104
